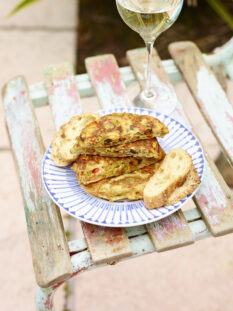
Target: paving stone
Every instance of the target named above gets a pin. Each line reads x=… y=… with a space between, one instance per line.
x=44 y=13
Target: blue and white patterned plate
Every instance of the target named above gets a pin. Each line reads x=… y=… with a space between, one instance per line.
x=65 y=191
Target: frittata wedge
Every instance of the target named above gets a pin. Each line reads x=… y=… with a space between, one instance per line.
x=148 y=148
x=119 y=129
x=125 y=187
x=90 y=168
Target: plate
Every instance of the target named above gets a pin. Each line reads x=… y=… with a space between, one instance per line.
x=64 y=189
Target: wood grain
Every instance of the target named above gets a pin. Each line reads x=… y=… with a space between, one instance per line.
x=207 y=91
x=207 y=191
x=106 y=246
x=107 y=82
x=71 y=103
x=170 y=232
x=50 y=253
x=63 y=93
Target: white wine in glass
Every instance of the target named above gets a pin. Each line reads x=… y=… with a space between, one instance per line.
x=149 y=18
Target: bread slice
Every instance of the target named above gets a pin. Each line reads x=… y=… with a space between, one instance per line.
x=171 y=174
x=65 y=139
x=56 y=145
x=71 y=131
x=191 y=183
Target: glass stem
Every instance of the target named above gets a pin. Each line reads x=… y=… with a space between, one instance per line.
x=148 y=92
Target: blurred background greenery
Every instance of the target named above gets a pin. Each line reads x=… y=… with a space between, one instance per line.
x=209 y=23
x=101 y=29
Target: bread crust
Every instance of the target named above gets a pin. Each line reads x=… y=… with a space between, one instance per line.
x=191 y=183
x=66 y=138
x=172 y=174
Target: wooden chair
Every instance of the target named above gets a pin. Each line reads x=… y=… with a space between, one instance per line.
x=54 y=260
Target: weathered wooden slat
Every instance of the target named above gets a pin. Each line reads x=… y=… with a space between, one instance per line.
x=63 y=93
x=70 y=102
x=170 y=232
x=215 y=203
x=106 y=79
x=207 y=91
x=211 y=178
x=104 y=243
x=137 y=59
x=50 y=253
x=65 y=103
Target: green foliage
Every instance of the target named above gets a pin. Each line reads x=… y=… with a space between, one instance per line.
x=222 y=11
x=21 y=6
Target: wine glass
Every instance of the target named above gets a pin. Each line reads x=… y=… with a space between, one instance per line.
x=150 y=18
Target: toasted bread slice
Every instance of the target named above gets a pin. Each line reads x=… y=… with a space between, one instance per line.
x=171 y=174
x=71 y=131
x=191 y=183
x=65 y=139
x=56 y=145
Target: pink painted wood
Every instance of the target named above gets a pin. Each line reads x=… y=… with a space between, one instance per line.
x=62 y=92
x=207 y=192
x=72 y=104
x=166 y=232
x=207 y=91
x=50 y=253
x=104 y=243
x=106 y=79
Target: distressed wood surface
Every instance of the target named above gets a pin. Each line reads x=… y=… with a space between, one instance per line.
x=50 y=253
x=137 y=60
x=207 y=191
x=216 y=203
x=106 y=79
x=163 y=89
x=141 y=244
x=68 y=103
x=207 y=92
x=104 y=243
x=170 y=232
x=63 y=93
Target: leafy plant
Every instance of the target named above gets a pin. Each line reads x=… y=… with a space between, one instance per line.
x=22 y=5
x=221 y=10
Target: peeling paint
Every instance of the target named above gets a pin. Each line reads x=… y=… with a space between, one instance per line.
x=216 y=107
x=107 y=81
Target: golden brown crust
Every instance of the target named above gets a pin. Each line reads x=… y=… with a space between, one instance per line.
x=191 y=183
x=121 y=128
x=65 y=139
x=56 y=145
x=171 y=174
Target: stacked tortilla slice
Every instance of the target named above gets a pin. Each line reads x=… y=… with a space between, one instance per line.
x=117 y=154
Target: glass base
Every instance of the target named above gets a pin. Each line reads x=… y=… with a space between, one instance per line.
x=162 y=98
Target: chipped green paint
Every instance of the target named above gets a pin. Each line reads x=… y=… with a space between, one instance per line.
x=27 y=216
x=40 y=222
